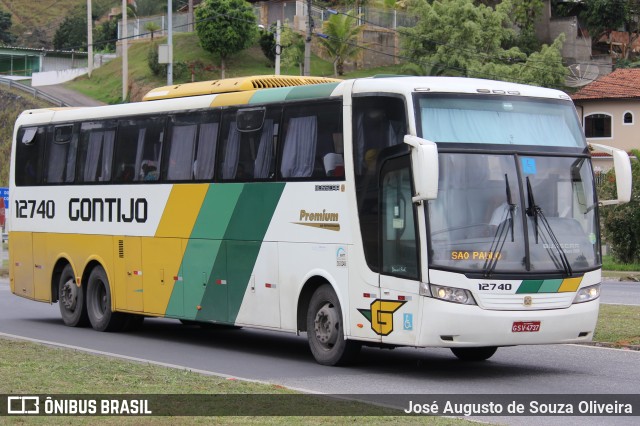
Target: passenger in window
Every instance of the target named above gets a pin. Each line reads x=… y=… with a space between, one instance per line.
x=150 y=172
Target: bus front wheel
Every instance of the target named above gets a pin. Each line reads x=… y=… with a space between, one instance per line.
x=101 y=316
x=325 y=330
x=71 y=299
x=474 y=354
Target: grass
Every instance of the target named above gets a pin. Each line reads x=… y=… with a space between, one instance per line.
x=106 y=82
x=47 y=370
x=618 y=325
x=610 y=264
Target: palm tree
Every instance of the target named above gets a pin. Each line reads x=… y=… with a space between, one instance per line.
x=152 y=27
x=341 y=32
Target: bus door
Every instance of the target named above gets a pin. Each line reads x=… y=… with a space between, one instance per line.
x=399 y=259
x=387 y=219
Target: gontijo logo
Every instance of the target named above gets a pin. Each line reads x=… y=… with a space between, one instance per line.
x=381 y=315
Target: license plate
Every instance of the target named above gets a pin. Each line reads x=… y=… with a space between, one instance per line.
x=525 y=326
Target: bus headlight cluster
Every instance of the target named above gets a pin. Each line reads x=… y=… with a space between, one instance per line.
x=452 y=294
x=587 y=294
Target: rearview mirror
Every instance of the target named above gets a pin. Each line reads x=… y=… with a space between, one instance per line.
x=424 y=160
x=622 y=166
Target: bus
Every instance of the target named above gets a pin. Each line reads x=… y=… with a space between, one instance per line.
x=388 y=211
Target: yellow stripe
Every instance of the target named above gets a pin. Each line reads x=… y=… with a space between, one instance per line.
x=182 y=210
x=228 y=99
x=570 y=285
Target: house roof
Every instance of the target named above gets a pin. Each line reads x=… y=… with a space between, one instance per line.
x=623 y=83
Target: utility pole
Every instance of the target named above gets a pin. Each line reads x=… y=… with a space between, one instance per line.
x=89 y=39
x=125 y=59
x=307 y=44
x=278 y=47
x=170 y=43
x=190 y=17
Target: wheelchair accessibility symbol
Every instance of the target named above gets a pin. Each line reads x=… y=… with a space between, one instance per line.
x=408 y=321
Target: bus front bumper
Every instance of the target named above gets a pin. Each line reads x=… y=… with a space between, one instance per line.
x=446 y=324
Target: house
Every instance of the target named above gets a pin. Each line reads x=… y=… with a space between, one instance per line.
x=609 y=109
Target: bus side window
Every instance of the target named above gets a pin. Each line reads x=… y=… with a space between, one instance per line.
x=248 y=154
x=29 y=149
x=313 y=146
x=95 y=151
x=60 y=154
x=191 y=146
x=139 y=145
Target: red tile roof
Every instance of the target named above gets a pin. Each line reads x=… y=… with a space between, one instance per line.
x=623 y=83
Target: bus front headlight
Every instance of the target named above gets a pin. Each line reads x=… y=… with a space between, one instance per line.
x=452 y=294
x=587 y=294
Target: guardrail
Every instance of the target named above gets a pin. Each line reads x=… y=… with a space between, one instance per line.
x=33 y=92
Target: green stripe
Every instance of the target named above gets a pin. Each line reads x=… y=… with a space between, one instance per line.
x=238 y=252
x=550 y=286
x=312 y=91
x=529 y=286
x=203 y=249
x=270 y=95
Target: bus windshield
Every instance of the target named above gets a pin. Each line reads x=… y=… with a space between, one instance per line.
x=496 y=119
x=495 y=215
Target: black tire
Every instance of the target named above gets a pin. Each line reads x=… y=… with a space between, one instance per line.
x=99 y=303
x=325 y=330
x=474 y=354
x=73 y=308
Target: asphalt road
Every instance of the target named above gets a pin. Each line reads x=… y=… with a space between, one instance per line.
x=620 y=292
x=71 y=97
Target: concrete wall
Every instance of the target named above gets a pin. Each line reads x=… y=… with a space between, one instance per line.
x=48 y=78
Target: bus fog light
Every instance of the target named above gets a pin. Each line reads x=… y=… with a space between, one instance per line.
x=587 y=294
x=452 y=294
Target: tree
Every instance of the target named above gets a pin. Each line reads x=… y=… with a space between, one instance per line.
x=470 y=40
x=341 y=32
x=72 y=32
x=105 y=35
x=5 y=24
x=292 y=45
x=152 y=27
x=524 y=15
x=225 y=27
x=621 y=223
x=267 y=43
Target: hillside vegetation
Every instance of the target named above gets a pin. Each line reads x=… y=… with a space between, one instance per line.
x=35 y=22
x=105 y=83
x=12 y=103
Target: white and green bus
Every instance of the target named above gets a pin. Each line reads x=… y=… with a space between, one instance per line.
x=392 y=211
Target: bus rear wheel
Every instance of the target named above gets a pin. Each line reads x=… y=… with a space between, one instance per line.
x=325 y=330
x=101 y=316
x=474 y=354
x=71 y=299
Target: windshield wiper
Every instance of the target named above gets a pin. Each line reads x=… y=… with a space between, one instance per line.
x=501 y=234
x=538 y=216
